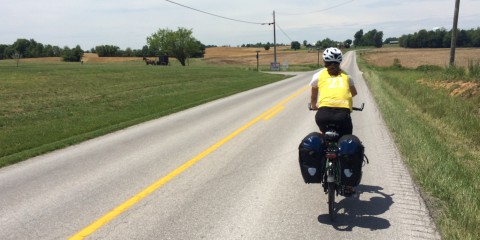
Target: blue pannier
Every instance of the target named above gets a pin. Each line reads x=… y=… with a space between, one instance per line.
x=311 y=156
x=350 y=154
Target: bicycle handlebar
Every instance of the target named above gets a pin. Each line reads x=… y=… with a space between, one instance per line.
x=353 y=108
x=358 y=108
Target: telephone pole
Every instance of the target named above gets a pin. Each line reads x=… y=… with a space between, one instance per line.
x=274 y=67
x=453 y=43
x=275 y=41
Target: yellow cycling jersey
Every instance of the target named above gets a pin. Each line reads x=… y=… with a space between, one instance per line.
x=334 y=91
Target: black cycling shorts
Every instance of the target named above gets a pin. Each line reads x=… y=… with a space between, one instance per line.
x=339 y=116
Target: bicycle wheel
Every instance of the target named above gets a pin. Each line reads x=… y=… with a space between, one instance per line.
x=331 y=200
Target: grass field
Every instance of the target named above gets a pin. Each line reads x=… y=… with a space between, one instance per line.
x=434 y=116
x=49 y=105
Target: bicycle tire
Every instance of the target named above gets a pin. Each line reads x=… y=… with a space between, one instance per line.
x=331 y=200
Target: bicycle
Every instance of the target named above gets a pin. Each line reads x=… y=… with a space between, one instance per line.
x=332 y=184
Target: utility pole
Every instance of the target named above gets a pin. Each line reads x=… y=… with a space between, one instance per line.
x=274 y=67
x=454 y=34
x=275 y=41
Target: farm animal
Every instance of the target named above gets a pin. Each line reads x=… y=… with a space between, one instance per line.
x=149 y=61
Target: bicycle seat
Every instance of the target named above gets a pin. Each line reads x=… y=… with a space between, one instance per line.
x=331 y=132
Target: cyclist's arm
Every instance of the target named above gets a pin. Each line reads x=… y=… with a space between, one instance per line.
x=351 y=85
x=314 y=94
x=353 y=90
x=314 y=98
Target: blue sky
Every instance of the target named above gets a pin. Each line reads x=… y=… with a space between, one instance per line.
x=127 y=23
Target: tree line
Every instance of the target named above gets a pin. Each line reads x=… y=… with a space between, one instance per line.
x=179 y=44
x=371 y=38
x=24 y=48
x=440 y=38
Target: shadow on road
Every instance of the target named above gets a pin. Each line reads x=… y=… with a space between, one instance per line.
x=353 y=212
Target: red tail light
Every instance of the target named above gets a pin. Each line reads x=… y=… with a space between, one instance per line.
x=331 y=155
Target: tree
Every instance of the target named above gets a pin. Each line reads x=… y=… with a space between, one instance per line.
x=378 y=39
x=371 y=38
x=357 y=41
x=3 y=51
x=72 y=55
x=199 y=52
x=267 y=46
x=179 y=44
x=348 y=43
x=368 y=38
x=295 y=45
x=440 y=38
x=107 y=50
x=20 y=46
x=327 y=42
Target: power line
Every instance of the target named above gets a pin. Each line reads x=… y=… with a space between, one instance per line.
x=322 y=10
x=283 y=32
x=338 y=5
x=232 y=19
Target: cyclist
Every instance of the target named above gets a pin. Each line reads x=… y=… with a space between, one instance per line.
x=331 y=95
x=332 y=92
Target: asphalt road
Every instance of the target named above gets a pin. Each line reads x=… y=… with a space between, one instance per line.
x=224 y=170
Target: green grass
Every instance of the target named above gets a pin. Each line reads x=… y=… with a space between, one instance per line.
x=47 y=106
x=439 y=138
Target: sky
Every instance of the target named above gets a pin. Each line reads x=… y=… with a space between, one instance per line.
x=128 y=23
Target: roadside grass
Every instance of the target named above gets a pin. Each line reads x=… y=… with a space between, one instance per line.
x=439 y=138
x=49 y=105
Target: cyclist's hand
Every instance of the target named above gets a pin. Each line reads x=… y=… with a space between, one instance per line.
x=313 y=107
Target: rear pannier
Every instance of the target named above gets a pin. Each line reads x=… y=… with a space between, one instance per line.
x=351 y=152
x=311 y=156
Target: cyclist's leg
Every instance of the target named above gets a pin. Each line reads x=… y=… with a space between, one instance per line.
x=323 y=118
x=344 y=121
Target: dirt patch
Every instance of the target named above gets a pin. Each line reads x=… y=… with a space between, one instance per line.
x=412 y=58
x=456 y=88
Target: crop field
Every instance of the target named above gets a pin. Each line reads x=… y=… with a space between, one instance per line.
x=247 y=56
x=412 y=58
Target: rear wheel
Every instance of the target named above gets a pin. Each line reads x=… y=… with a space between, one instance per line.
x=331 y=200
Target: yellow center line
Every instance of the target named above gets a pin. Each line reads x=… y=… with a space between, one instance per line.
x=274 y=112
x=150 y=189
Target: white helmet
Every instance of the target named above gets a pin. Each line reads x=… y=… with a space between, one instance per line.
x=332 y=55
